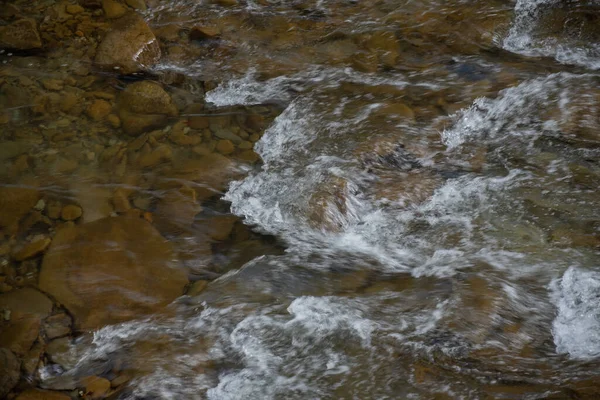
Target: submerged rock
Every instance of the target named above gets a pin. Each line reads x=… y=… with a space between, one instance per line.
x=9 y=371
x=143 y=106
x=110 y=270
x=21 y=35
x=26 y=308
x=129 y=45
x=15 y=202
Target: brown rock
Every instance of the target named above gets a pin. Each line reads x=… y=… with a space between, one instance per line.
x=113 y=9
x=15 y=202
x=20 y=335
x=95 y=387
x=127 y=256
x=53 y=84
x=25 y=303
x=130 y=45
x=57 y=325
x=114 y=121
x=144 y=106
x=32 y=249
x=9 y=371
x=22 y=35
x=37 y=394
x=71 y=212
x=147 y=97
x=99 y=110
x=27 y=307
x=74 y=9
x=225 y=147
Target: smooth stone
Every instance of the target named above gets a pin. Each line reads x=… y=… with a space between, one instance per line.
x=99 y=109
x=32 y=249
x=71 y=212
x=126 y=255
x=113 y=9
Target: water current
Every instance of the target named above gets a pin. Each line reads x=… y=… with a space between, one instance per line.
x=423 y=220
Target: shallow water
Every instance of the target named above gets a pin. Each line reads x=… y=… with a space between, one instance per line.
x=333 y=200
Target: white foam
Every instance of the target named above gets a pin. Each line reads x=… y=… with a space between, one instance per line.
x=522 y=38
x=576 y=328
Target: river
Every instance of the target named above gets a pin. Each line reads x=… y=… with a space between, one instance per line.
x=326 y=199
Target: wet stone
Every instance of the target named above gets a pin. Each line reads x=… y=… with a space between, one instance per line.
x=31 y=360
x=9 y=371
x=15 y=202
x=32 y=249
x=95 y=387
x=71 y=212
x=127 y=255
x=57 y=325
x=113 y=9
x=99 y=110
x=61 y=352
x=22 y=35
x=129 y=46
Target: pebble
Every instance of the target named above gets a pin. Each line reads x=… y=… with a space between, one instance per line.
x=71 y=212
x=53 y=84
x=74 y=9
x=225 y=147
x=98 y=110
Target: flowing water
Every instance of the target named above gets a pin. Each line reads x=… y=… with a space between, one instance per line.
x=423 y=220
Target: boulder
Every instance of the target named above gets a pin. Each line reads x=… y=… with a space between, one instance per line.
x=21 y=35
x=129 y=45
x=110 y=270
x=9 y=371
